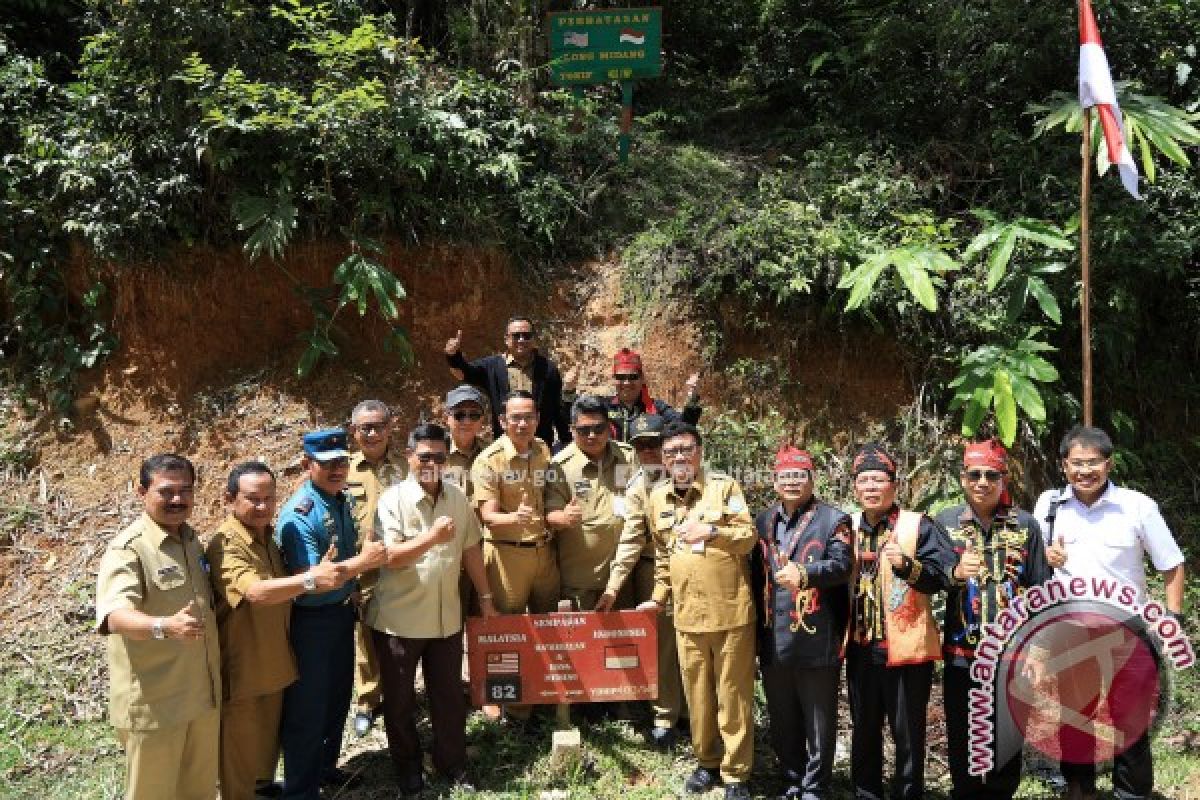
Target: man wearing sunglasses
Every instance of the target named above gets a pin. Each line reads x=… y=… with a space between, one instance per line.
x=585 y=504
x=521 y=367
x=633 y=400
x=702 y=535
x=320 y=515
x=464 y=419
x=1095 y=529
x=431 y=534
x=635 y=555
x=373 y=468
x=1000 y=555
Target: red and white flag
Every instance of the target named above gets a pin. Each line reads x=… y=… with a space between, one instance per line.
x=1096 y=89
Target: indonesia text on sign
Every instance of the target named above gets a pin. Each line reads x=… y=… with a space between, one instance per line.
x=564 y=658
x=598 y=46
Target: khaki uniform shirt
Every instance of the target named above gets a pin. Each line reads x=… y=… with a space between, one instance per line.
x=585 y=551
x=520 y=378
x=500 y=474
x=421 y=601
x=710 y=583
x=158 y=683
x=458 y=468
x=256 y=655
x=635 y=542
x=367 y=481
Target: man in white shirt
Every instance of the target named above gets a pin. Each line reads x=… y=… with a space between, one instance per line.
x=1095 y=528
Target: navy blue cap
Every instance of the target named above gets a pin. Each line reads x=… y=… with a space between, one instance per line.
x=647 y=426
x=326 y=445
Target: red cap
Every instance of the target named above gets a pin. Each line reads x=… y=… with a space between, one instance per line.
x=986 y=454
x=790 y=457
x=627 y=360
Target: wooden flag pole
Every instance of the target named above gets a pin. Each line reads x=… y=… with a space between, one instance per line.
x=1085 y=289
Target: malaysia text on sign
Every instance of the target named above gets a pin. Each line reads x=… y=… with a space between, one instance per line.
x=617 y=44
x=564 y=658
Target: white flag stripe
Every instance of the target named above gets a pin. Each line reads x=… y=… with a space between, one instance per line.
x=1095 y=78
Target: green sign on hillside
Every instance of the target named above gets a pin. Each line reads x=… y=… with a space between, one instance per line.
x=618 y=44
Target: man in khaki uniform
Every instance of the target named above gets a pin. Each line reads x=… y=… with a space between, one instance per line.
x=585 y=503
x=464 y=420
x=635 y=555
x=154 y=601
x=702 y=534
x=253 y=604
x=373 y=468
x=509 y=478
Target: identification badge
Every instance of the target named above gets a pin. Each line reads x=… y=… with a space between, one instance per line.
x=170 y=572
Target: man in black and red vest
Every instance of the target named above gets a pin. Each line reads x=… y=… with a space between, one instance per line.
x=1001 y=554
x=799 y=573
x=633 y=399
x=902 y=557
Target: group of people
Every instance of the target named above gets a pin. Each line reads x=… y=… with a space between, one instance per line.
x=224 y=654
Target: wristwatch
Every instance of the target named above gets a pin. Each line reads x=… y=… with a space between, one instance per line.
x=310 y=582
x=157 y=630
x=712 y=531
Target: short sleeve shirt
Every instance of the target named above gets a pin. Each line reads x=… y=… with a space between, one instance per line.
x=256 y=656
x=158 y=683
x=458 y=468
x=310 y=522
x=1112 y=537
x=367 y=480
x=502 y=475
x=421 y=600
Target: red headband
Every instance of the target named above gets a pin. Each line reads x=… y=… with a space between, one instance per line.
x=986 y=454
x=627 y=360
x=790 y=457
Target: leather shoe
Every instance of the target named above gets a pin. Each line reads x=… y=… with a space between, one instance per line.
x=341 y=779
x=363 y=721
x=662 y=738
x=268 y=789
x=701 y=780
x=737 y=791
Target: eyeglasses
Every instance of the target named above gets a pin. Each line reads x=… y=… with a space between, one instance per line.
x=591 y=430
x=431 y=458
x=800 y=476
x=627 y=377
x=518 y=418
x=1086 y=463
x=681 y=450
x=646 y=444
x=474 y=416
x=977 y=475
x=333 y=463
x=521 y=336
x=371 y=427
x=872 y=480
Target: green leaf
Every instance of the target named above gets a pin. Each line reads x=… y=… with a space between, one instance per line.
x=916 y=280
x=998 y=263
x=1006 y=408
x=1028 y=398
x=862 y=280
x=977 y=409
x=1045 y=299
x=1018 y=296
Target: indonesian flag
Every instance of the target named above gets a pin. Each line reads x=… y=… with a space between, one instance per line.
x=1096 y=89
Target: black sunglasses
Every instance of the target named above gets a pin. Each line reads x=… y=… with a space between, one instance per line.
x=591 y=430
x=975 y=475
x=431 y=458
x=474 y=416
x=521 y=336
x=626 y=377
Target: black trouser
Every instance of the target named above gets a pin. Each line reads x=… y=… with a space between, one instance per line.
x=1133 y=772
x=441 y=664
x=1001 y=782
x=802 y=703
x=901 y=695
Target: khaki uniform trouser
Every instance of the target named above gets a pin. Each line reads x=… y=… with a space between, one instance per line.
x=179 y=762
x=669 y=706
x=718 y=678
x=367 y=686
x=249 y=743
x=522 y=579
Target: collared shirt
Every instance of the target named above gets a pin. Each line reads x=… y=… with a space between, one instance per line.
x=709 y=583
x=623 y=416
x=158 y=683
x=635 y=542
x=421 y=601
x=256 y=655
x=311 y=520
x=520 y=376
x=368 y=480
x=458 y=467
x=1111 y=537
x=585 y=551
x=500 y=474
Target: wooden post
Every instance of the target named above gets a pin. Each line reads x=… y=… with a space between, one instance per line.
x=1085 y=289
x=626 y=119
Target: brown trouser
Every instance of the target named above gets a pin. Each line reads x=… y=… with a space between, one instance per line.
x=249 y=743
x=179 y=762
x=669 y=706
x=440 y=660
x=718 y=677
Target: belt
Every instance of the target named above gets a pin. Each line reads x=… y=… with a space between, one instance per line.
x=542 y=542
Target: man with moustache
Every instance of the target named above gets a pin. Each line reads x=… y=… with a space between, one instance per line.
x=1097 y=529
x=902 y=558
x=254 y=593
x=320 y=515
x=702 y=534
x=430 y=533
x=635 y=555
x=373 y=468
x=521 y=367
x=153 y=603
x=1000 y=555
x=509 y=477
x=633 y=400
x=464 y=419
x=799 y=571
